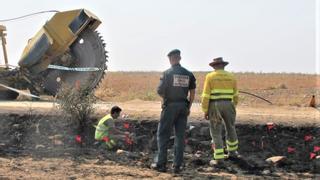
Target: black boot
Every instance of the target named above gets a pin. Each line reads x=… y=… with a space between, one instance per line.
x=218 y=163
x=234 y=155
x=176 y=169
x=161 y=168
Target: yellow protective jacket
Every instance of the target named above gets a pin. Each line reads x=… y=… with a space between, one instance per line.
x=101 y=129
x=219 y=84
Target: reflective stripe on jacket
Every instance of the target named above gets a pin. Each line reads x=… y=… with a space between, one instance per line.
x=101 y=129
x=219 y=84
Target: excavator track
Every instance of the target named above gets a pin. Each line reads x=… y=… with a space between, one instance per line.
x=6 y=94
x=87 y=51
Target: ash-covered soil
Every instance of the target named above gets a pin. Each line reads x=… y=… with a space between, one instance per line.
x=45 y=146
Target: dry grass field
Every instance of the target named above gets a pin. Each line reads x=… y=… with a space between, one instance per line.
x=279 y=88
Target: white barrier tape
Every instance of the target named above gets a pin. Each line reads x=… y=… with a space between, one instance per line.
x=81 y=69
x=18 y=91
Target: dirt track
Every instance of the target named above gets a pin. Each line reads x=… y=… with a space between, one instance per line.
x=137 y=109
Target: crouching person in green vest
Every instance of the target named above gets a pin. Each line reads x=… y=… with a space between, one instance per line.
x=106 y=132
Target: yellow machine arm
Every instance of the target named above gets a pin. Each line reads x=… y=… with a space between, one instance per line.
x=66 y=50
x=55 y=38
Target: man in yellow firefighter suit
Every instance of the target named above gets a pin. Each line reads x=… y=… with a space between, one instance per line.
x=219 y=98
x=106 y=130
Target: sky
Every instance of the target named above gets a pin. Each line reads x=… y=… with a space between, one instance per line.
x=253 y=35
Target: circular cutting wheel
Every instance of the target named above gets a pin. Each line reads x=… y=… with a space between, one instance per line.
x=87 y=51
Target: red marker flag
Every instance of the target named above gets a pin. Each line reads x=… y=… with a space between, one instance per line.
x=270 y=125
x=316 y=148
x=78 y=139
x=291 y=150
x=308 y=138
x=106 y=139
x=126 y=125
x=128 y=140
x=312 y=155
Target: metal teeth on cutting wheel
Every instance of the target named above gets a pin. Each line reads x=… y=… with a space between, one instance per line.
x=88 y=51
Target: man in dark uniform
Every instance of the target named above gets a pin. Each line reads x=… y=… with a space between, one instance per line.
x=177 y=88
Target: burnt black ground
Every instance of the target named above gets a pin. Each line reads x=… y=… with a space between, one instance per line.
x=42 y=136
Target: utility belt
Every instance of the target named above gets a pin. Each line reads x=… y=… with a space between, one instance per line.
x=169 y=101
x=218 y=100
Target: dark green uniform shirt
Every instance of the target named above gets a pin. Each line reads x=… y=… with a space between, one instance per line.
x=175 y=84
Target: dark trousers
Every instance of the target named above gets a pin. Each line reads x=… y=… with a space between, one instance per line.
x=172 y=115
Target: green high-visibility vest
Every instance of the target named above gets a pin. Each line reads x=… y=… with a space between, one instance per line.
x=101 y=129
x=226 y=93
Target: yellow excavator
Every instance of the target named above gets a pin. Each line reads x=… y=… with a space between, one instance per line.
x=66 y=50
